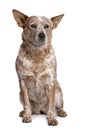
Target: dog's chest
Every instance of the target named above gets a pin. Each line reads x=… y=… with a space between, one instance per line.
x=27 y=66
x=37 y=76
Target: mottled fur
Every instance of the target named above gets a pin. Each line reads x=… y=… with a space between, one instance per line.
x=40 y=91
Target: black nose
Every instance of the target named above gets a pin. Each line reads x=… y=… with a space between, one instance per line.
x=41 y=36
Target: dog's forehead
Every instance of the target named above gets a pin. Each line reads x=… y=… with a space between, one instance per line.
x=39 y=19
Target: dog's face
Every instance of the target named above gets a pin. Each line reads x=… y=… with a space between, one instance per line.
x=37 y=31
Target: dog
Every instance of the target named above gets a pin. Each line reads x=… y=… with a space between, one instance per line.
x=40 y=92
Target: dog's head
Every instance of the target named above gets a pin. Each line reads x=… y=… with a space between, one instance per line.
x=37 y=31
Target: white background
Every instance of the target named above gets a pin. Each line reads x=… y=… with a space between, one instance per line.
x=69 y=42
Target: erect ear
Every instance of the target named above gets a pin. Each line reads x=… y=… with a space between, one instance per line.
x=56 y=20
x=20 y=18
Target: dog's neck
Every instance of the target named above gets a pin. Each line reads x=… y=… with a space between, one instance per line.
x=36 y=53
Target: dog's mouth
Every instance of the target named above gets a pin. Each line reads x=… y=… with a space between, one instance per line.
x=38 y=43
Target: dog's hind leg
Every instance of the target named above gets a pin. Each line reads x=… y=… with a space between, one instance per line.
x=59 y=101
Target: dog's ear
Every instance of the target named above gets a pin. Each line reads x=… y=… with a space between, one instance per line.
x=56 y=20
x=20 y=18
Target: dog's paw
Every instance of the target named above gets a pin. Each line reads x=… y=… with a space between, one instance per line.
x=52 y=121
x=27 y=119
x=62 y=113
x=21 y=114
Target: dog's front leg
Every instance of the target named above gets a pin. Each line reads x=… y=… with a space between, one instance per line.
x=50 y=114
x=26 y=103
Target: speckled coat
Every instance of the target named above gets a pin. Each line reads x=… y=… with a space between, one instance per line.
x=40 y=91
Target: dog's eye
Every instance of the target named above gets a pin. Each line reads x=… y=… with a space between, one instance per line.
x=46 y=26
x=33 y=25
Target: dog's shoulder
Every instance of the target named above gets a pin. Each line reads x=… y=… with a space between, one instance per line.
x=21 y=52
x=23 y=57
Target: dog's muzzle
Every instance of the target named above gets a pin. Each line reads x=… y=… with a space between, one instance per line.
x=41 y=37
